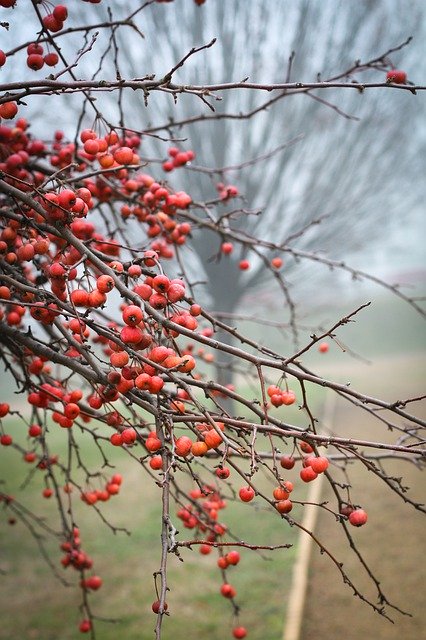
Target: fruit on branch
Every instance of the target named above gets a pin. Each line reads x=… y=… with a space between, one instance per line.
x=183 y=446
x=239 y=632
x=8 y=110
x=246 y=494
x=308 y=474
x=233 y=557
x=3 y=58
x=51 y=59
x=287 y=462
x=284 y=506
x=306 y=447
x=227 y=248
x=358 y=517
x=244 y=265
x=319 y=464
x=396 y=76
x=223 y=473
x=156 y=606
x=85 y=626
x=156 y=463
x=228 y=591
x=4 y=409
x=277 y=263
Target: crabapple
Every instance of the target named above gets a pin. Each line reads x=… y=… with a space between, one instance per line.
x=320 y=464
x=358 y=517
x=397 y=76
x=156 y=606
x=308 y=474
x=246 y=494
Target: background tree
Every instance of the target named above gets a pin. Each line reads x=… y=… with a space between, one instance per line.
x=339 y=179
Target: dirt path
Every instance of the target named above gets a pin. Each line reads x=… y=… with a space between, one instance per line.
x=393 y=541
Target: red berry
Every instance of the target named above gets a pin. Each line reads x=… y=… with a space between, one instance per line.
x=94 y=583
x=156 y=463
x=8 y=110
x=227 y=248
x=129 y=435
x=246 y=494
x=228 y=591
x=397 y=76
x=287 y=462
x=239 y=632
x=132 y=315
x=4 y=409
x=156 y=606
x=60 y=12
x=320 y=464
x=85 y=626
x=35 y=430
x=52 y=24
x=233 y=557
x=51 y=59
x=308 y=474
x=358 y=517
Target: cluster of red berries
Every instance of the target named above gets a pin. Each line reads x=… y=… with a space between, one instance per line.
x=36 y=58
x=54 y=21
x=75 y=557
x=178 y=158
x=203 y=516
x=227 y=191
x=112 y=488
x=279 y=397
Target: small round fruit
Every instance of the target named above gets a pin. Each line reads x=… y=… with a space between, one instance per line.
x=239 y=632
x=320 y=464
x=396 y=76
x=246 y=494
x=233 y=557
x=156 y=606
x=284 y=506
x=358 y=517
x=308 y=474
x=287 y=462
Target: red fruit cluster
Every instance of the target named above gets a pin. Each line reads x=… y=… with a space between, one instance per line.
x=227 y=191
x=54 y=21
x=202 y=514
x=36 y=58
x=279 y=397
x=178 y=158
x=74 y=556
x=112 y=488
